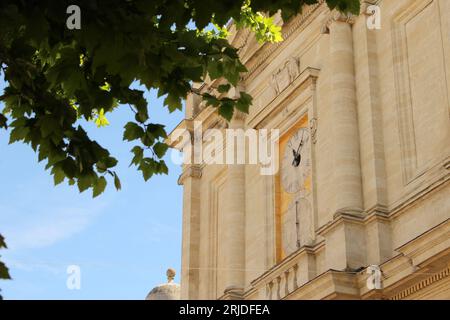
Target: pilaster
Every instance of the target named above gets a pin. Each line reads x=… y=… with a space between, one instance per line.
x=347 y=168
x=234 y=222
x=190 y=179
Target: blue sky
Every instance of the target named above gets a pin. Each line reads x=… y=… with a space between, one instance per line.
x=123 y=241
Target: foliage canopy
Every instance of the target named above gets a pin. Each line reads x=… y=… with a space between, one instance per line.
x=56 y=77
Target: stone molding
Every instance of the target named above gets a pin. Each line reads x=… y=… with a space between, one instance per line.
x=421 y=285
x=446 y=164
x=402 y=274
x=232 y=293
x=305 y=81
x=239 y=115
x=406 y=273
x=337 y=16
x=293 y=26
x=382 y=211
x=280 y=280
x=285 y=75
x=191 y=171
x=313 y=129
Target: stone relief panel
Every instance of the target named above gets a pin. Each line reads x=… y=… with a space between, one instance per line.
x=420 y=69
x=212 y=239
x=284 y=75
x=279 y=80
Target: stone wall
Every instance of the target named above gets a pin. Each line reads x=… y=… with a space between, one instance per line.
x=379 y=114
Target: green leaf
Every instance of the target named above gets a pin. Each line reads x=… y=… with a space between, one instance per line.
x=48 y=126
x=211 y=100
x=3 y=121
x=138 y=155
x=99 y=187
x=142 y=111
x=173 y=102
x=85 y=182
x=58 y=175
x=110 y=162
x=133 y=131
x=162 y=167
x=157 y=130
x=160 y=149
x=4 y=272
x=117 y=183
x=56 y=79
x=244 y=102
x=215 y=69
x=2 y=242
x=226 y=110
x=147 y=166
x=223 y=88
x=18 y=133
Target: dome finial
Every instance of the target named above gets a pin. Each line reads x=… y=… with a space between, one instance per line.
x=166 y=291
x=170 y=275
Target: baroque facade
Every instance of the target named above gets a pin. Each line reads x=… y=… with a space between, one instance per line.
x=370 y=112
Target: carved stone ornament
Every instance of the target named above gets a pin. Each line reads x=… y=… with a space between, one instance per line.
x=192 y=171
x=313 y=128
x=337 y=16
x=285 y=75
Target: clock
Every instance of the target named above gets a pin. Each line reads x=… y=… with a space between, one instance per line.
x=297 y=225
x=296 y=161
x=294 y=210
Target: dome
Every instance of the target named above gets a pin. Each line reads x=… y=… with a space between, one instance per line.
x=166 y=291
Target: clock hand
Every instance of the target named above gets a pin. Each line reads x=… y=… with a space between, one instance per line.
x=297 y=158
x=292 y=148
x=301 y=142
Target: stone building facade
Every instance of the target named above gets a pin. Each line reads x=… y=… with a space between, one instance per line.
x=371 y=111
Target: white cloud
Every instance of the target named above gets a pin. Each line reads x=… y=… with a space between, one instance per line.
x=47 y=225
x=55 y=269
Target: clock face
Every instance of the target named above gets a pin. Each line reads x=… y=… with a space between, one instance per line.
x=290 y=223
x=296 y=163
x=296 y=225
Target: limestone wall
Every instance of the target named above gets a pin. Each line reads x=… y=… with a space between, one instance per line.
x=380 y=102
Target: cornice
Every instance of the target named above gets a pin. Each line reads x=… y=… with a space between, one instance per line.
x=401 y=206
x=424 y=255
x=337 y=16
x=421 y=285
x=332 y=283
x=401 y=277
x=232 y=293
x=265 y=51
x=307 y=78
x=383 y=213
x=286 y=263
x=340 y=218
x=419 y=249
x=446 y=164
x=190 y=171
